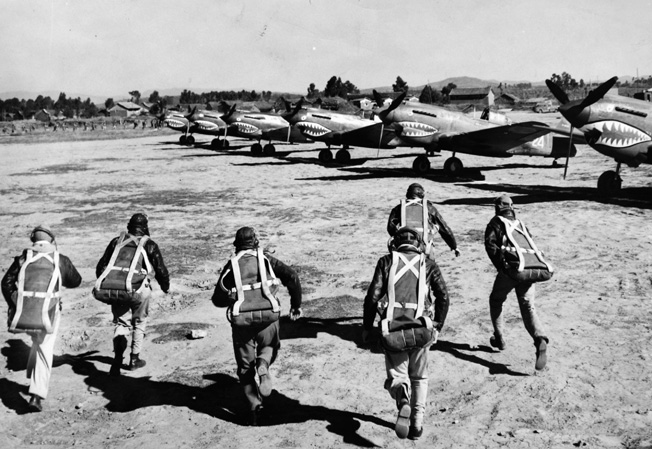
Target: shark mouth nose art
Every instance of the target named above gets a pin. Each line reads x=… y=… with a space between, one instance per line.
x=246 y=128
x=618 y=135
x=313 y=129
x=206 y=125
x=175 y=123
x=416 y=129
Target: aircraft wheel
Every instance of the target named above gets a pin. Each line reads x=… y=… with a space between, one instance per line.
x=190 y=140
x=453 y=166
x=325 y=156
x=257 y=149
x=269 y=150
x=225 y=143
x=182 y=140
x=421 y=164
x=609 y=183
x=216 y=144
x=343 y=156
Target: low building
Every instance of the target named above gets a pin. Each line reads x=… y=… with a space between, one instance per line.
x=472 y=95
x=43 y=116
x=125 y=109
x=505 y=99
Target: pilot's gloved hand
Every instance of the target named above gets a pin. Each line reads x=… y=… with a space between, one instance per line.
x=295 y=314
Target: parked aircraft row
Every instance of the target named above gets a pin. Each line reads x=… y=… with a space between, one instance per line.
x=618 y=127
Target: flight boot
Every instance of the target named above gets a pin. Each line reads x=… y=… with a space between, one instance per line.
x=541 y=343
x=264 y=377
x=136 y=362
x=119 y=347
x=35 y=405
x=402 y=425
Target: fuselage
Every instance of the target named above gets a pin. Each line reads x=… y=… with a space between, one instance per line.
x=256 y=125
x=619 y=127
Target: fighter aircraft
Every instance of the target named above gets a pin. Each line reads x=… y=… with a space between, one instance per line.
x=618 y=127
x=210 y=123
x=180 y=122
x=339 y=129
x=259 y=126
x=435 y=129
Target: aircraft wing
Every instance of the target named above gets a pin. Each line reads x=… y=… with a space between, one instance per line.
x=564 y=130
x=495 y=141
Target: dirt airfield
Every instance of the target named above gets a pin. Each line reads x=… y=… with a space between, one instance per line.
x=329 y=223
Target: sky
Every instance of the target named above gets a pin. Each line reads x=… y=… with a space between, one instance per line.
x=109 y=48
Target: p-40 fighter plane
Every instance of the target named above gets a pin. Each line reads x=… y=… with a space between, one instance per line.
x=337 y=129
x=210 y=123
x=435 y=129
x=259 y=126
x=204 y=121
x=618 y=127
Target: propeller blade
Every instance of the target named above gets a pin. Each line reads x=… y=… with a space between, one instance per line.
x=190 y=114
x=599 y=92
x=570 y=145
x=395 y=104
x=378 y=99
x=557 y=92
x=380 y=140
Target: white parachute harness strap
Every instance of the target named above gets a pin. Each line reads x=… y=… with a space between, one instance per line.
x=424 y=229
x=393 y=278
x=121 y=243
x=263 y=285
x=514 y=247
x=48 y=295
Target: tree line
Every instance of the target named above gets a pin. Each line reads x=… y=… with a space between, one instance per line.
x=335 y=87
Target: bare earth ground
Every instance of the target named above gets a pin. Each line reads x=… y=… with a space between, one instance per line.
x=329 y=223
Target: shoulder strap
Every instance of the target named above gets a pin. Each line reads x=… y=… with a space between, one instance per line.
x=140 y=250
x=263 y=285
x=55 y=280
x=418 y=267
x=519 y=226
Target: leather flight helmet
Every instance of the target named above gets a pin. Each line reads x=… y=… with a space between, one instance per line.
x=42 y=233
x=415 y=190
x=246 y=237
x=138 y=221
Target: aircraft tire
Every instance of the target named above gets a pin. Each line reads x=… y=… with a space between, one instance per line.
x=269 y=150
x=421 y=165
x=453 y=166
x=343 y=156
x=182 y=139
x=325 y=156
x=225 y=143
x=609 y=183
x=257 y=149
x=190 y=140
x=216 y=144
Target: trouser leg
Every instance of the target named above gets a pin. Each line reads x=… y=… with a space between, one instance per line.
x=244 y=348
x=502 y=286
x=525 y=293
x=268 y=342
x=418 y=372
x=396 y=365
x=139 y=315
x=40 y=360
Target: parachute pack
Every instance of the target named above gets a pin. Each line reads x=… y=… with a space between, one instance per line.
x=255 y=291
x=126 y=273
x=525 y=263
x=414 y=214
x=404 y=325
x=37 y=298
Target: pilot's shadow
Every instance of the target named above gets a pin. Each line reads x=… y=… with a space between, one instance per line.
x=346 y=328
x=456 y=350
x=223 y=399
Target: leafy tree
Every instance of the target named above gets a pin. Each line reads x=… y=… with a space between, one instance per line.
x=429 y=95
x=446 y=91
x=400 y=85
x=331 y=88
x=312 y=91
x=135 y=96
x=351 y=88
x=109 y=103
x=154 y=97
